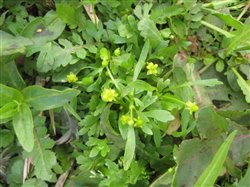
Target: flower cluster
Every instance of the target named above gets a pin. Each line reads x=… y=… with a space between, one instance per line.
x=71 y=77
x=192 y=107
x=127 y=119
x=152 y=68
x=108 y=95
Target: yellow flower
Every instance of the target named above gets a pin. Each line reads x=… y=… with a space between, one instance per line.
x=109 y=95
x=192 y=107
x=152 y=68
x=71 y=77
x=125 y=119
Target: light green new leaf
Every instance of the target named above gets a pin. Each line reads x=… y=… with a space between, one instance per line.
x=207 y=82
x=141 y=61
x=161 y=115
x=8 y=94
x=129 y=148
x=245 y=87
x=8 y=110
x=44 y=99
x=23 y=127
x=150 y=32
x=142 y=85
x=240 y=37
x=211 y=173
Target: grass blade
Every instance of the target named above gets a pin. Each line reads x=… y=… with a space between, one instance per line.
x=130 y=148
x=211 y=173
x=225 y=33
x=241 y=37
x=141 y=60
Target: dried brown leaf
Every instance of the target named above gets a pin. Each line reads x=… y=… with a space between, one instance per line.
x=90 y=11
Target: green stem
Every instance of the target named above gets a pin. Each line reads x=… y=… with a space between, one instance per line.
x=243 y=11
x=205 y=68
x=112 y=78
x=176 y=87
x=235 y=72
x=52 y=121
x=176 y=100
x=225 y=33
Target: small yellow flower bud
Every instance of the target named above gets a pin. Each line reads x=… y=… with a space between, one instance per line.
x=39 y=30
x=117 y=52
x=152 y=68
x=171 y=37
x=170 y=170
x=139 y=122
x=105 y=63
x=71 y=77
x=131 y=122
x=109 y=95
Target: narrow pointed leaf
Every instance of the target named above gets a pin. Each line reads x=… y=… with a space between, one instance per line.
x=211 y=173
x=129 y=148
x=239 y=38
x=44 y=99
x=141 y=60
